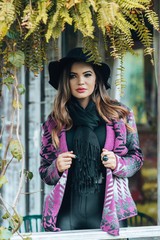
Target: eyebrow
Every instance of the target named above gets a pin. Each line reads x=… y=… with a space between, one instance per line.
x=89 y=71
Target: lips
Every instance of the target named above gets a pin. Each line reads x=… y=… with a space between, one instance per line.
x=81 y=90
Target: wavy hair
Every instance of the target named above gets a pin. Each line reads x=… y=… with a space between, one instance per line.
x=107 y=108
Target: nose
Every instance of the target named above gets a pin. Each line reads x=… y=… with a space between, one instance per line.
x=81 y=80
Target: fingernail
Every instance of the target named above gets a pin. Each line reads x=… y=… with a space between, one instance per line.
x=75 y=156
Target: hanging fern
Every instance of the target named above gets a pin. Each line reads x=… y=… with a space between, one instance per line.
x=152 y=18
x=91 y=48
x=57 y=21
x=35 y=15
x=144 y=34
x=120 y=81
x=106 y=21
x=35 y=23
x=130 y=4
x=34 y=49
x=82 y=19
x=30 y=25
x=7 y=17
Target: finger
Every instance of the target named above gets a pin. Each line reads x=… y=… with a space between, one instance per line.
x=67 y=159
x=105 y=158
x=67 y=154
x=67 y=166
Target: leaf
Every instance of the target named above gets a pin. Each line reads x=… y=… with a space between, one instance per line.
x=6 y=215
x=7 y=16
x=21 y=89
x=16 y=58
x=16 y=149
x=16 y=104
x=17 y=218
x=42 y=7
x=15 y=221
x=71 y=3
x=3 y=180
x=8 y=81
x=5 y=234
x=28 y=174
x=12 y=34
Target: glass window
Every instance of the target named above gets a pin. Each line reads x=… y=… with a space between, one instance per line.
x=134 y=93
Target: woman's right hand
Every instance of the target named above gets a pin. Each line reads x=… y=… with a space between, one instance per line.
x=64 y=161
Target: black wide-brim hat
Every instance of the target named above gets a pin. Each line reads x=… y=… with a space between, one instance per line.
x=76 y=54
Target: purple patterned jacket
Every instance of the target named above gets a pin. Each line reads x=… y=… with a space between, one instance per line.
x=118 y=203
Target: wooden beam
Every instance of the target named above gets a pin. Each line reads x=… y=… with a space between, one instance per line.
x=130 y=232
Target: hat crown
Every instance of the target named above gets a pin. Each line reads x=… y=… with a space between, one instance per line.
x=77 y=53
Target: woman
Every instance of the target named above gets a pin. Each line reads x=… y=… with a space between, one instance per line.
x=89 y=149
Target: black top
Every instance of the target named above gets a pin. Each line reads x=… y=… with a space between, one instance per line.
x=80 y=211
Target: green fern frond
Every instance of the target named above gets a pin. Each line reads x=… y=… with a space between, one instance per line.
x=70 y=3
x=146 y=3
x=35 y=51
x=65 y=16
x=120 y=80
x=90 y=47
x=34 y=16
x=123 y=24
x=7 y=17
x=93 y=4
x=120 y=43
x=106 y=14
x=18 y=6
x=152 y=18
x=82 y=19
x=20 y=22
x=148 y=51
x=57 y=22
x=57 y=19
x=28 y=19
x=130 y=4
x=58 y=29
x=42 y=11
x=142 y=31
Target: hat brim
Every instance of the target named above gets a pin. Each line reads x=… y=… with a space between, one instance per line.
x=55 y=68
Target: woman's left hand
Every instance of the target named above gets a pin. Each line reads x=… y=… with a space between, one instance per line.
x=111 y=162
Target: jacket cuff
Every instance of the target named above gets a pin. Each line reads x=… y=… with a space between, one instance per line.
x=114 y=171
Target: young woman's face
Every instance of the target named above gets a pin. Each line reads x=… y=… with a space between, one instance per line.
x=82 y=80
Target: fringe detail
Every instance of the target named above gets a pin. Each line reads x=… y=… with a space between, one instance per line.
x=86 y=167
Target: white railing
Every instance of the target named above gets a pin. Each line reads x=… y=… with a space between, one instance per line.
x=152 y=232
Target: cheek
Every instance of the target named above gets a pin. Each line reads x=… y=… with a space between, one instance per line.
x=92 y=86
x=71 y=86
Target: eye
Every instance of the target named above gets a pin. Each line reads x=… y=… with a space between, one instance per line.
x=72 y=76
x=87 y=75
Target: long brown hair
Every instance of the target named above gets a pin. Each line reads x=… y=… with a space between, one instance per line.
x=107 y=108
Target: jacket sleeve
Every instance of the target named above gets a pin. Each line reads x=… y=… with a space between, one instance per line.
x=48 y=170
x=129 y=164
